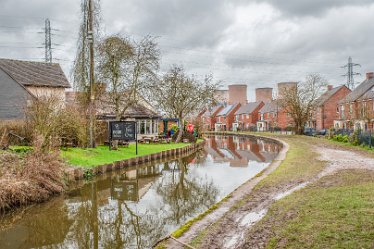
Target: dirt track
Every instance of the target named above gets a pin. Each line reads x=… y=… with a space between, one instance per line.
x=227 y=229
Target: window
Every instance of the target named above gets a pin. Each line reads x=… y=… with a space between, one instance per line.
x=350 y=108
x=337 y=109
x=155 y=127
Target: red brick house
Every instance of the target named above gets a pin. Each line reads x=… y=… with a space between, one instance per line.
x=208 y=118
x=356 y=110
x=247 y=115
x=272 y=116
x=324 y=113
x=226 y=117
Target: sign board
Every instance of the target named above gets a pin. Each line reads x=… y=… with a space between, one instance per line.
x=122 y=130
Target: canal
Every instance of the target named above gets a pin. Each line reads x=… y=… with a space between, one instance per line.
x=135 y=207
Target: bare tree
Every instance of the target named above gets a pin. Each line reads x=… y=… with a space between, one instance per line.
x=180 y=95
x=299 y=100
x=127 y=69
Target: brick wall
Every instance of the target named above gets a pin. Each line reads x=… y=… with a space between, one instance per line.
x=326 y=113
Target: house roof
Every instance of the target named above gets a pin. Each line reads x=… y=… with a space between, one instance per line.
x=360 y=92
x=248 y=108
x=31 y=73
x=210 y=112
x=227 y=109
x=269 y=107
x=327 y=95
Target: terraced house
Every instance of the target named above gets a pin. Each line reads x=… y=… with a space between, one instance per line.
x=226 y=117
x=209 y=117
x=23 y=81
x=356 y=110
x=247 y=115
x=325 y=107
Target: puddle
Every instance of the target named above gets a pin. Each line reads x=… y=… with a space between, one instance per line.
x=288 y=192
x=231 y=242
x=252 y=217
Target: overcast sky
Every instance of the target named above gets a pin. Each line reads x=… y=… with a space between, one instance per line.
x=256 y=42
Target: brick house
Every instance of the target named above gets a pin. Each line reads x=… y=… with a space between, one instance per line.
x=247 y=115
x=324 y=112
x=271 y=116
x=23 y=81
x=209 y=118
x=225 y=118
x=356 y=110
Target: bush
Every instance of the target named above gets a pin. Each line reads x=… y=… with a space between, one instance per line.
x=186 y=135
x=354 y=138
x=33 y=177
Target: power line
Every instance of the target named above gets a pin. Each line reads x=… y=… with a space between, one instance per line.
x=350 y=80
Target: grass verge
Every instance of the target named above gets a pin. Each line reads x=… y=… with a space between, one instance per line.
x=102 y=155
x=335 y=212
x=181 y=230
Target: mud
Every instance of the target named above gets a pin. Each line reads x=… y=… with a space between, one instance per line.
x=230 y=229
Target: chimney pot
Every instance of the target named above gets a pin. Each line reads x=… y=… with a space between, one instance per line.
x=329 y=87
x=369 y=75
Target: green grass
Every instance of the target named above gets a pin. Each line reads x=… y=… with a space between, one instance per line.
x=102 y=155
x=336 y=212
x=185 y=227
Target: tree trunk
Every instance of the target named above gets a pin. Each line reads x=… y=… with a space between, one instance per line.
x=180 y=131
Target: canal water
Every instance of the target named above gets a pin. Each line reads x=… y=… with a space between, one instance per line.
x=135 y=207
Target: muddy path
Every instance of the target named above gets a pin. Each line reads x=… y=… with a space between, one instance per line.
x=230 y=227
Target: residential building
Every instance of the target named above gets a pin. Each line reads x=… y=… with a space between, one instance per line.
x=247 y=115
x=356 y=110
x=272 y=115
x=324 y=112
x=209 y=117
x=225 y=118
x=23 y=81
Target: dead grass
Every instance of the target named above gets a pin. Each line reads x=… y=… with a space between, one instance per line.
x=33 y=177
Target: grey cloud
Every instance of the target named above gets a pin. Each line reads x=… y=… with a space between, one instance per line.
x=311 y=7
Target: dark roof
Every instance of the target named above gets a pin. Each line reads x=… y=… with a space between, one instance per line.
x=248 y=108
x=31 y=73
x=360 y=91
x=327 y=95
x=134 y=111
x=226 y=110
x=269 y=107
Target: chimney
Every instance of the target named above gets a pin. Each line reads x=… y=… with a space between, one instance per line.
x=369 y=75
x=329 y=87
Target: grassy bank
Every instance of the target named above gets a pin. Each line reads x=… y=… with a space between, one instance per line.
x=334 y=212
x=102 y=155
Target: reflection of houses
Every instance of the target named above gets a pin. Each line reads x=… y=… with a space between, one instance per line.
x=239 y=151
x=356 y=110
x=23 y=81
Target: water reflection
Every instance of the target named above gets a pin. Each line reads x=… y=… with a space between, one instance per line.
x=135 y=207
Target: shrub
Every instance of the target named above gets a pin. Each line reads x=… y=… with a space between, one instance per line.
x=186 y=135
x=33 y=177
x=354 y=138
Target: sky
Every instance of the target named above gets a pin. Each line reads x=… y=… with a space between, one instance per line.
x=253 y=42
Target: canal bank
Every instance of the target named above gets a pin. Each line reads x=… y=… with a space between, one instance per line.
x=136 y=206
x=308 y=195
x=194 y=228
x=76 y=173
